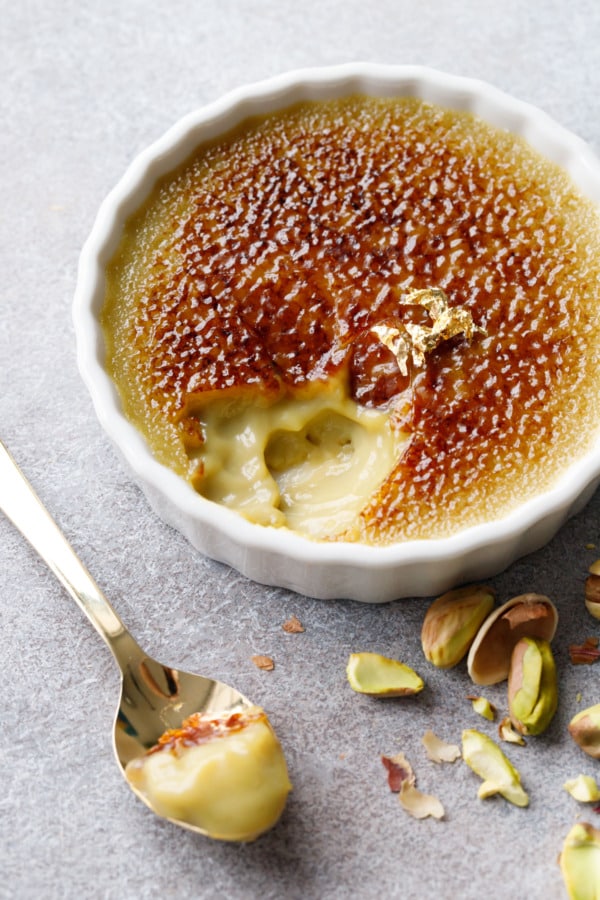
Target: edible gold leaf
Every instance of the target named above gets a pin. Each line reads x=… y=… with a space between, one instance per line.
x=416 y=341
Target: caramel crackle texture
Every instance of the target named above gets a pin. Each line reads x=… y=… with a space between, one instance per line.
x=265 y=262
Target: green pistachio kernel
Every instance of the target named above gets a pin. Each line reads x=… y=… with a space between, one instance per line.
x=583 y=788
x=488 y=761
x=532 y=686
x=580 y=862
x=378 y=676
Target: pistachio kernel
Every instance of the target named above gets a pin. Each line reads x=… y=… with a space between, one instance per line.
x=378 y=676
x=487 y=760
x=483 y=707
x=580 y=862
x=584 y=728
x=583 y=788
x=451 y=623
x=532 y=686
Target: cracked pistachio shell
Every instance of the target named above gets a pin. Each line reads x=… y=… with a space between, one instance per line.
x=532 y=686
x=584 y=728
x=528 y=615
x=451 y=623
x=487 y=760
x=580 y=862
x=378 y=676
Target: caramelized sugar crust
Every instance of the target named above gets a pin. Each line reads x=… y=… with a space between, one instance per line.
x=263 y=263
x=199 y=729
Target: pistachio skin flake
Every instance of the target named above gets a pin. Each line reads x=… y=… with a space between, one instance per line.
x=487 y=760
x=379 y=676
x=586 y=653
x=399 y=770
x=451 y=623
x=439 y=751
x=580 y=862
x=532 y=686
x=418 y=804
x=592 y=590
x=506 y=732
x=584 y=728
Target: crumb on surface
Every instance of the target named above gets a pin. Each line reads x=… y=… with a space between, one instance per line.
x=263 y=662
x=293 y=625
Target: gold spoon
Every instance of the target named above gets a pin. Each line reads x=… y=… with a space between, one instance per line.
x=154 y=697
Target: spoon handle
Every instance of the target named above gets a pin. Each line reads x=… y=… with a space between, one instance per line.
x=21 y=505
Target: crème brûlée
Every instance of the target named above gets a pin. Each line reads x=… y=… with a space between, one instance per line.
x=365 y=319
x=226 y=775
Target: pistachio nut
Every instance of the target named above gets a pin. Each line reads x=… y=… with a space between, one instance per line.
x=378 y=676
x=452 y=621
x=532 y=686
x=592 y=590
x=528 y=615
x=487 y=760
x=580 y=862
x=583 y=788
x=483 y=707
x=584 y=728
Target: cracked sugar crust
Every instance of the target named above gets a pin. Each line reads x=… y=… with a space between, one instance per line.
x=263 y=263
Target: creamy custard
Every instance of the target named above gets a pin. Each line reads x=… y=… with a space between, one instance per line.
x=227 y=776
x=309 y=463
x=261 y=282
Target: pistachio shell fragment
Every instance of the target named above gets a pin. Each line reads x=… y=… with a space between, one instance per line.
x=583 y=788
x=451 y=623
x=528 y=615
x=439 y=751
x=584 y=728
x=378 y=676
x=488 y=761
x=532 y=686
x=580 y=862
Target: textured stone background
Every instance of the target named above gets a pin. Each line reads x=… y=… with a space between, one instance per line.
x=83 y=87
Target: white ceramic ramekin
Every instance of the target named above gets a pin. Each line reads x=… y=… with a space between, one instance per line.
x=278 y=556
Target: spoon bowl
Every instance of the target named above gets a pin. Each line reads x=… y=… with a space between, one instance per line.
x=155 y=698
